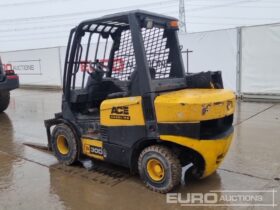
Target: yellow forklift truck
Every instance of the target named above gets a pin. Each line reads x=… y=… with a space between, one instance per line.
x=127 y=100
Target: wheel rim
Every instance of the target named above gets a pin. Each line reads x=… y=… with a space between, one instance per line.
x=155 y=170
x=62 y=145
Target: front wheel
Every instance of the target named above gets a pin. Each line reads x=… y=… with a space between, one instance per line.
x=4 y=100
x=159 y=168
x=64 y=144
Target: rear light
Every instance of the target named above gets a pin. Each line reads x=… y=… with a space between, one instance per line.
x=9 y=72
x=12 y=76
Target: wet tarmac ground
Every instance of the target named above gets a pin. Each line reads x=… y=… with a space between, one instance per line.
x=33 y=179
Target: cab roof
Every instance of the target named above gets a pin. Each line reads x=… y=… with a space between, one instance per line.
x=121 y=19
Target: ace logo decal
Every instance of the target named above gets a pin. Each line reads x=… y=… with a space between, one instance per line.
x=120 y=113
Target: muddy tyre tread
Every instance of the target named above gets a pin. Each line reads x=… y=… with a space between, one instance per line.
x=72 y=157
x=171 y=158
x=4 y=100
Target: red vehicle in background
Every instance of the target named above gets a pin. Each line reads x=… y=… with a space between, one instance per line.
x=8 y=81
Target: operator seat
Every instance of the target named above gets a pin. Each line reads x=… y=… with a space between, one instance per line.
x=94 y=88
x=105 y=88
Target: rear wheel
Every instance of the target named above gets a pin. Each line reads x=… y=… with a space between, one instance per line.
x=64 y=144
x=159 y=168
x=4 y=100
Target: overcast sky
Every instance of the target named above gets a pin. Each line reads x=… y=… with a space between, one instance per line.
x=29 y=24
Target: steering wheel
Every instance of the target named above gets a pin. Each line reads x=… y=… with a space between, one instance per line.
x=98 y=67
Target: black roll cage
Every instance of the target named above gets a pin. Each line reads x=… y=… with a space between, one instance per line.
x=134 y=21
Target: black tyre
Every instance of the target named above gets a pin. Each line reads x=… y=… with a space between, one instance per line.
x=159 y=168
x=64 y=144
x=4 y=100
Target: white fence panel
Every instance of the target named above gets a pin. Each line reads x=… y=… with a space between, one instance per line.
x=260 y=63
x=212 y=51
x=35 y=67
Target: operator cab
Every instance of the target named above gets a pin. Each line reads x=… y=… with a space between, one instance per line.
x=121 y=55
